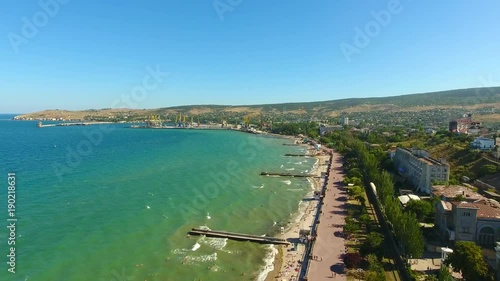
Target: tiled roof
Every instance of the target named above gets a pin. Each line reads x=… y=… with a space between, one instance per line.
x=451 y=191
x=486 y=208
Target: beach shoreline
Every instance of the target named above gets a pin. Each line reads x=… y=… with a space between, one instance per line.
x=287 y=262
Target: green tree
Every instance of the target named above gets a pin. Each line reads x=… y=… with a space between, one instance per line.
x=444 y=274
x=364 y=219
x=355 y=191
x=467 y=258
x=350 y=226
x=487 y=170
x=422 y=209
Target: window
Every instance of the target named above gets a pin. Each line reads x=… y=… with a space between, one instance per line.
x=465 y=229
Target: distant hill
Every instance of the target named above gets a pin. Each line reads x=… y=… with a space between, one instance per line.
x=462 y=100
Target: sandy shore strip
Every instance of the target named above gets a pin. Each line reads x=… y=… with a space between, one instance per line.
x=287 y=263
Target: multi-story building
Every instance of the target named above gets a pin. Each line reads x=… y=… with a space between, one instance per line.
x=468 y=220
x=344 y=121
x=463 y=125
x=420 y=169
x=325 y=129
x=483 y=143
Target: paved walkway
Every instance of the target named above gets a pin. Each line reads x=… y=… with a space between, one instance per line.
x=327 y=263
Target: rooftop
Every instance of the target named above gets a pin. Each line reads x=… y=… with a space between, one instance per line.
x=451 y=191
x=493 y=180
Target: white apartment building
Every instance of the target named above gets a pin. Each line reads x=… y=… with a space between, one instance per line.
x=420 y=169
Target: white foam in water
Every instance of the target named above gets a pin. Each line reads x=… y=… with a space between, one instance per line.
x=208 y=216
x=202 y=258
x=274 y=223
x=255 y=186
x=282 y=166
x=287 y=182
x=214 y=268
x=268 y=266
x=204 y=227
x=196 y=247
x=215 y=243
x=180 y=251
x=290 y=169
x=298 y=163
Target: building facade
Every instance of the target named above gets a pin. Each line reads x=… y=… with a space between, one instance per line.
x=478 y=222
x=420 y=169
x=463 y=125
x=483 y=143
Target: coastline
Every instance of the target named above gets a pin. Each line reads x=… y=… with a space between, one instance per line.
x=287 y=262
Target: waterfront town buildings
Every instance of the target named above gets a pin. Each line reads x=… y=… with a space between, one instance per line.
x=420 y=169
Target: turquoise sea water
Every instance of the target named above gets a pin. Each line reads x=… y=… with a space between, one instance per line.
x=114 y=203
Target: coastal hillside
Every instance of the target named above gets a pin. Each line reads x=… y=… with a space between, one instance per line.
x=482 y=102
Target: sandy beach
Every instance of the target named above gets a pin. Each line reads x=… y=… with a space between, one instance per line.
x=287 y=263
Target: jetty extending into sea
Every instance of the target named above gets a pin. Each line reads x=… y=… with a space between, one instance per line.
x=238 y=236
x=281 y=174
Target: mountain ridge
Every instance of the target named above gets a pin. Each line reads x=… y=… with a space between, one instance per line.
x=470 y=98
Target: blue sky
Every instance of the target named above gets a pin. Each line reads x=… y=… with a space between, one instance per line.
x=90 y=53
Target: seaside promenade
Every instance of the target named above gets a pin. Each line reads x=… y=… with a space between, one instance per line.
x=326 y=262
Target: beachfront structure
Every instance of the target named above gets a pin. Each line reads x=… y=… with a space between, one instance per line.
x=420 y=169
x=483 y=143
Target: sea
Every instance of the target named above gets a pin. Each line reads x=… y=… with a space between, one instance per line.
x=110 y=202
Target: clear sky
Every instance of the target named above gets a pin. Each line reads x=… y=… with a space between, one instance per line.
x=80 y=54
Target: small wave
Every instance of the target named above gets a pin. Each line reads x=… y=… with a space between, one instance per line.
x=290 y=169
x=287 y=182
x=195 y=247
x=258 y=186
x=268 y=263
x=180 y=251
x=294 y=189
x=208 y=216
x=282 y=166
x=214 y=268
x=215 y=243
x=298 y=163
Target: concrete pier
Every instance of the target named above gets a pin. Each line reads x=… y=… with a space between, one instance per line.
x=238 y=236
x=281 y=174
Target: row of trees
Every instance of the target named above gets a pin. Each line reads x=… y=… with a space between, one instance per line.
x=406 y=226
x=310 y=129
